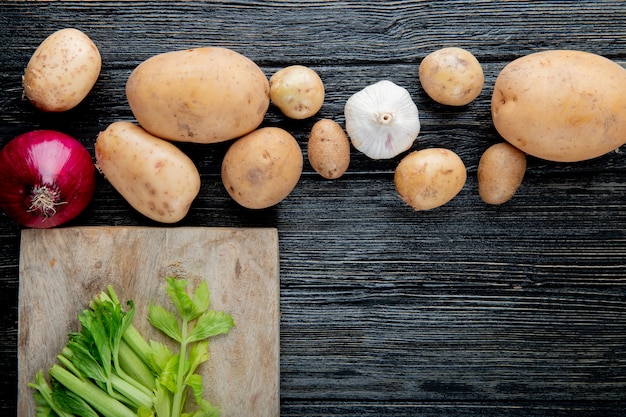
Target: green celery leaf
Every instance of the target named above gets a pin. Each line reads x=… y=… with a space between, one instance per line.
x=211 y=324
x=45 y=404
x=201 y=298
x=159 y=355
x=168 y=375
x=82 y=359
x=176 y=291
x=93 y=326
x=165 y=321
x=198 y=353
x=188 y=308
x=92 y=334
x=207 y=409
x=114 y=321
x=40 y=400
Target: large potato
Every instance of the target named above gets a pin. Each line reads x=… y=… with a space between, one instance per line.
x=561 y=105
x=262 y=168
x=203 y=95
x=62 y=71
x=154 y=176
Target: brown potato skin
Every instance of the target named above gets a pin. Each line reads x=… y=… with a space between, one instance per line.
x=262 y=168
x=500 y=172
x=429 y=178
x=155 y=177
x=328 y=149
x=298 y=91
x=451 y=76
x=561 y=105
x=62 y=71
x=203 y=95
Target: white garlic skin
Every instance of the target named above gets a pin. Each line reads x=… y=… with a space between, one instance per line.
x=382 y=120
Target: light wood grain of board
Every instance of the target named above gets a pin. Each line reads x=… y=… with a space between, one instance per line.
x=61 y=270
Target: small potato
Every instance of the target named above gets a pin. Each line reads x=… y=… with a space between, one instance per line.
x=202 y=95
x=62 y=71
x=154 y=176
x=297 y=91
x=262 y=168
x=430 y=178
x=561 y=105
x=328 y=149
x=451 y=76
x=500 y=173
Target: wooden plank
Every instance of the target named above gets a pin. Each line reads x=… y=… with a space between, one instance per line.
x=483 y=304
x=446 y=409
x=61 y=270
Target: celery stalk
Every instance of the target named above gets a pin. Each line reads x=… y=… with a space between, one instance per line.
x=91 y=393
x=45 y=391
x=192 y=327
x=131 y=395
x=134 y=366
x=138 y=344
x=110 y=369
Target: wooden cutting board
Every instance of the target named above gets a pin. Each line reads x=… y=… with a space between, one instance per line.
x=62 y=269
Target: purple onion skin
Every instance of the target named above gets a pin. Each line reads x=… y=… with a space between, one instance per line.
x=47 y=178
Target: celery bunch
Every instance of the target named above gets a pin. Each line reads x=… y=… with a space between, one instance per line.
x=109 y=369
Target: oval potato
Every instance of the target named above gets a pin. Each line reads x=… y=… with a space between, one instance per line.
x=298 y=91
x=561 y=105
x=500 y=173
x=451 y=76
x=262 y=168
x=62 y=71
x=203 y=95
x=154 y=176
x=429 y=178
x=328 y=149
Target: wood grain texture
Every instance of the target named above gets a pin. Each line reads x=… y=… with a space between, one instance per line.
x=61 y=270
x=468 y=310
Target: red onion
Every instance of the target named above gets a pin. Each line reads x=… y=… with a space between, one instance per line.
x=46 y=178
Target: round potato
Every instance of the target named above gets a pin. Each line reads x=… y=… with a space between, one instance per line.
x=451 y=76
x=297 y=91
x=62 y=71
x=203 y=95
x=328 y=149
x=154 y=176
x=561 y=105
x=430 y=178
x=500 y=173
x=262 y=168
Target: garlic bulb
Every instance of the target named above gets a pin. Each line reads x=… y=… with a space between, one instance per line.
x=382 y=120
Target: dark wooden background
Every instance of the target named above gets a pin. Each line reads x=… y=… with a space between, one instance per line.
x=466 y=310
